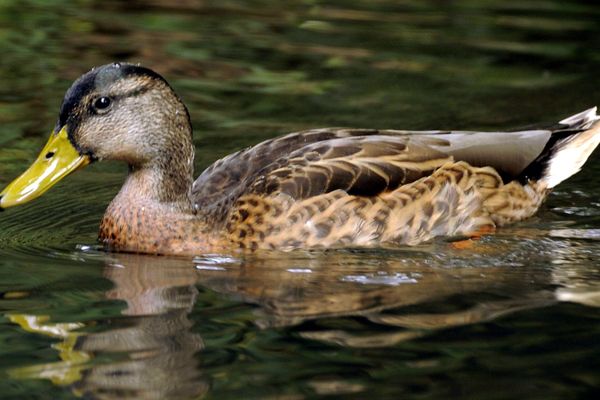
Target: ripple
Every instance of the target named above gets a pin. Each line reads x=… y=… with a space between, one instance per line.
x=209 y=260
x=299 y=270
x=382 y=278
x=210 y=268
x=58 y=222
x=593 y=234
x=578 y=211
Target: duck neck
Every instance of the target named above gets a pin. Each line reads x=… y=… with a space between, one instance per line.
x=153 y=211
x=167 y=184
x=153 y=214
x=166 y=175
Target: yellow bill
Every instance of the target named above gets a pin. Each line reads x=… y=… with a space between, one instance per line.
x=57 y=159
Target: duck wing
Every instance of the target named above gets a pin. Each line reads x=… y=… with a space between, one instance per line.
x=368 y=163
x=310 y=162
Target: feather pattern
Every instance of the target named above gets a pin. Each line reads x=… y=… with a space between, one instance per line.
x=339 y=187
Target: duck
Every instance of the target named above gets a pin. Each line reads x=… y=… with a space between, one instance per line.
x=318 y=188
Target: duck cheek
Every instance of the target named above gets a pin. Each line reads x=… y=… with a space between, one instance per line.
x=120 y=152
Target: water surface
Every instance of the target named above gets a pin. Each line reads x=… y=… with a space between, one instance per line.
x=514 y=315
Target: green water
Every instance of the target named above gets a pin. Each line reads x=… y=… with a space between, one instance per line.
x=514 y=316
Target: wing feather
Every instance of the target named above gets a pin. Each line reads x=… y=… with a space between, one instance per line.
x=361 y=166
x=363 y=162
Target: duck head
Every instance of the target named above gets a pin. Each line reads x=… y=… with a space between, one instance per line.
x=115 y=112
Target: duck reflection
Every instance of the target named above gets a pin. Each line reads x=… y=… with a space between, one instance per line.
x=411 y=295
x=150 y=352
x=153 y=350
x=161 y=350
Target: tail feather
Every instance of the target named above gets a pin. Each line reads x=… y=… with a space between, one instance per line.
x=583 y=120
x=569 y=147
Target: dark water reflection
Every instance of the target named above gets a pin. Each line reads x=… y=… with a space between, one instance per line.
x=321 y=318
x=515 y=314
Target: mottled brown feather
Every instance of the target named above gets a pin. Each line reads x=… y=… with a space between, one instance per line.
x=339 y=187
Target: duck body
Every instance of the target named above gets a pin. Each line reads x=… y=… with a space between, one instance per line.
x=345 y=187
x=332 y=187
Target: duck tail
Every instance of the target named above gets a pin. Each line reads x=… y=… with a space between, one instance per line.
x=571 y=142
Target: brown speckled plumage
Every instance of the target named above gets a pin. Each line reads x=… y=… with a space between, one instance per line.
x=455 y=199
x=319 y=188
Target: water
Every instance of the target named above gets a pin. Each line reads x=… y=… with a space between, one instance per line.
x=515 y=315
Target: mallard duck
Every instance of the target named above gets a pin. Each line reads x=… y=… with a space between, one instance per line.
x=332 y=187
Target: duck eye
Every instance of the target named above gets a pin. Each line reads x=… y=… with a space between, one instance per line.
x=102 y=103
